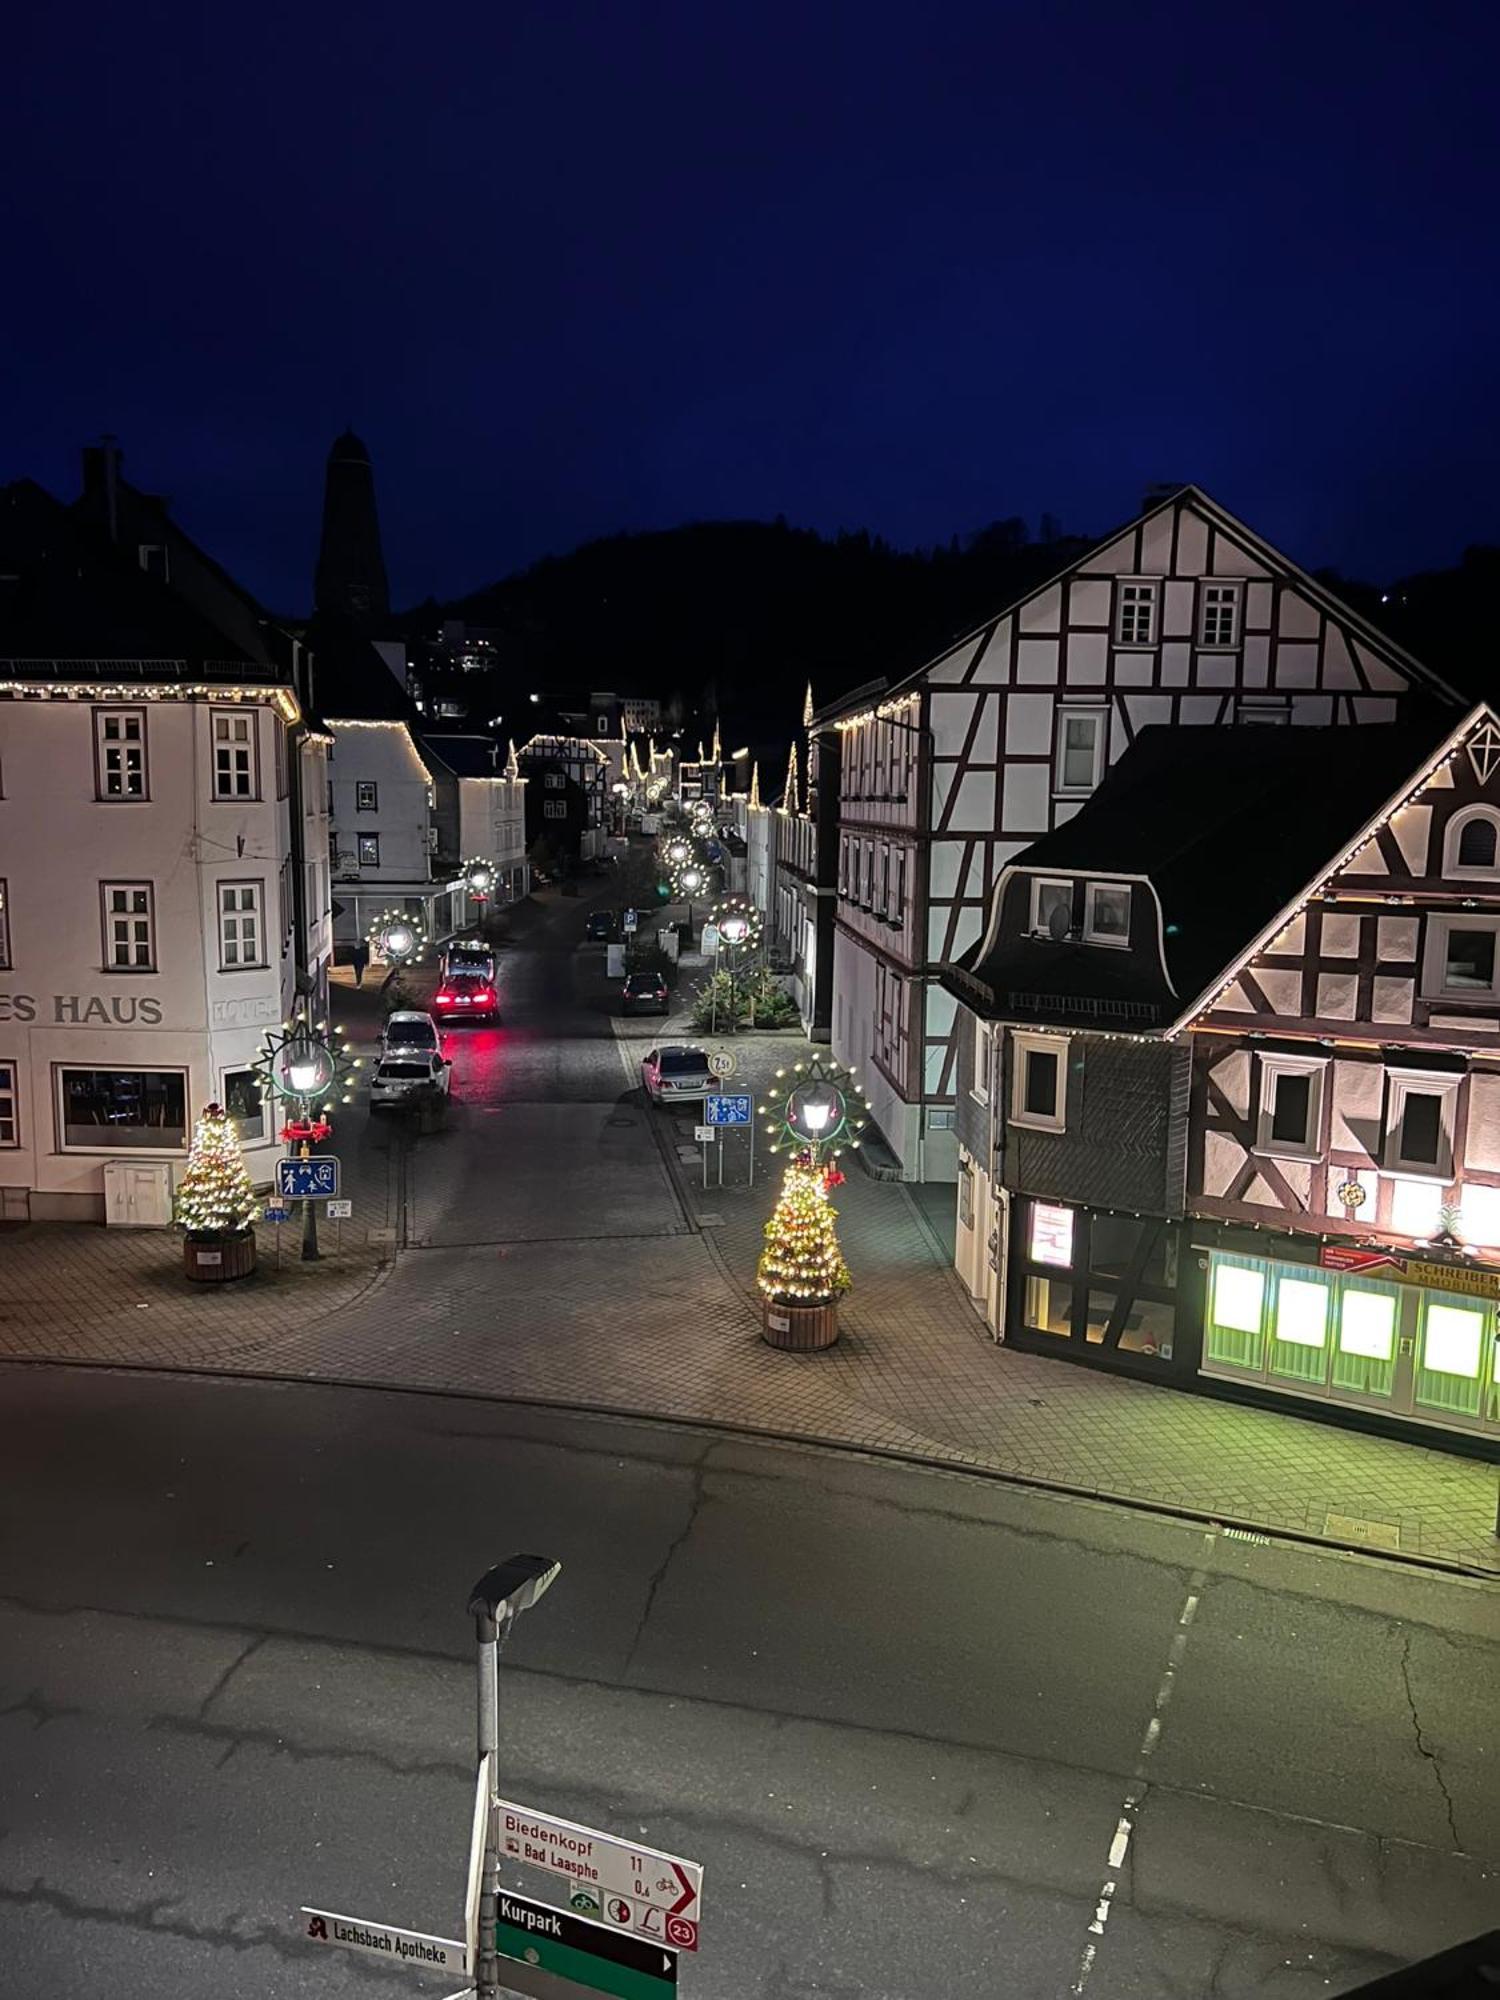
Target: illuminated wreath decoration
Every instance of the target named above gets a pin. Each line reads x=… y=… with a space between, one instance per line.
x=683 y=888
x=397 y=938
x=679 y=850
x=479 y=878
x=815 y=1108
x=742 y=918
x=1352 y=1194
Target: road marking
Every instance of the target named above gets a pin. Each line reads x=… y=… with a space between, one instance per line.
x=1135 y=1797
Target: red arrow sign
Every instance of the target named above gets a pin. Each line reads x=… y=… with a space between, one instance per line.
x=689 y=1893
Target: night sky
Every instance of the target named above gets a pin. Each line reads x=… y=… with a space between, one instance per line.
x=570 y=268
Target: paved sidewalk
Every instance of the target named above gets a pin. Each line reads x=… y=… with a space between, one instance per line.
x=666 y=1325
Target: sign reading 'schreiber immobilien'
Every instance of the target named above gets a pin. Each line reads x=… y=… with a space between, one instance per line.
x=413 y=1948
x=643 y=1877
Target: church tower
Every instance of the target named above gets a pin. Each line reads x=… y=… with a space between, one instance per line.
x=351 y=570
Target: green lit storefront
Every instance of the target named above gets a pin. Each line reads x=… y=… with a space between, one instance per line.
x=1377 y=1338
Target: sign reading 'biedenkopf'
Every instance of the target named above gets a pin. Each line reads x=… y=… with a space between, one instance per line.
x=638 y=1888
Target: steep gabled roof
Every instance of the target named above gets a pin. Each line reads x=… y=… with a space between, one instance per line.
x=1270 y=557
x=465 y=756
x=1229 y=827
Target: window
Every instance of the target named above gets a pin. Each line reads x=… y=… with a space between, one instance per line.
x=1461 y=960
x=278 y=741
x=366 y=796
x=153 y=560
x=1051 y=1236
x=1039 y=1083
x=120 y=753
x=234 y=754
x=241 y=928
x=897 y=916
x=984 y=1056
x=552 y=809
x=1291 y=1105
x=1419 y=1122
x=244 y=1103
x=10 y=1130
x=1107 y=913
x=4 y=927
x=1135 y=614
x=552 y=781
x=1080 y=748
x=1219 y=614
x=868 y=901
x=129 y=927
x=1471 y=845
x=1051 y=907
x=369 y=850
x=136 y=1110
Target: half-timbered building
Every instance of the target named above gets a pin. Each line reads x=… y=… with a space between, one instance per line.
x=1230 y=1076
x=1185 y=618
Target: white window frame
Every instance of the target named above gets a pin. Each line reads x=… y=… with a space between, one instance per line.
x=1223 y=591
x=1023 y=1046
x=554 y=809
x=104 y=744
x=1453 y=836
x=234 y=919
x=366 y=795
x=1038 y=884
x=1149 y=589
x=1402 y=1084
x=1092 y=934
x=131 y=918
x=1273 y=1067
x=1435 y=959
x=984 y=1061
x=361 y=841
x=236 y=760
x=10 y=1105
x=1074 y=712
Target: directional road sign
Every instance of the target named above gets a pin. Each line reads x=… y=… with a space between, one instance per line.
x=312 y=1179
x=275 y=1211
x=640 y=1880
x=533 y=1935
x=412 y=1948
x=727 y=1110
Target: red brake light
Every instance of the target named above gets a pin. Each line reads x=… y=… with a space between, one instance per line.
x=445 y=1000
x=487 y=998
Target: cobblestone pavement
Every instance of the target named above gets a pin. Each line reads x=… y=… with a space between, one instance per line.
x=556 y=1244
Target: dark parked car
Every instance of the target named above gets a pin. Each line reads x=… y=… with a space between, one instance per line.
x=466 y=996
x=646 y=993
x=601 y=927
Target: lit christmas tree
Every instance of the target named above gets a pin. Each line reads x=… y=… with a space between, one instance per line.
x=802 y=1264
x=214 y=1196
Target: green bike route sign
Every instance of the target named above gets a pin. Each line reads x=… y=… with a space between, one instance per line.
x=608 y=1961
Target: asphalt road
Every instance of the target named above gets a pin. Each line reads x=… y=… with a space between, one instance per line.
x=899 y=1715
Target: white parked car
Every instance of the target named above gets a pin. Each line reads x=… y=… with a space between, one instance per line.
x=402 y=1071
x=675 y=1072
x=406 y=1030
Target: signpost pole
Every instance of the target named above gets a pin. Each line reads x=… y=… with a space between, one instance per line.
x=488 y=1631
x=751 y=1181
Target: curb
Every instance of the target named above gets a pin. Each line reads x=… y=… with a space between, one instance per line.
x=1229 y=1524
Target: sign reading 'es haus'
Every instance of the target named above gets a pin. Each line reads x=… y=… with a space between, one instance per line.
x=82 y=1010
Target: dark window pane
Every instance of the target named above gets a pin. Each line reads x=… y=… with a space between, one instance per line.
x=1471 y=959
x=1476 y=844
x=137 y=1109
x=1290 y=1110
x=1422 y=1129
x=1041 y=1083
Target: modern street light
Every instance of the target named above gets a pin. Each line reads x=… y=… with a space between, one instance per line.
x=495 y=1603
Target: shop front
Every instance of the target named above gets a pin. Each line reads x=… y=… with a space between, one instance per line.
x=1383 y=1331
x=1364 y=1335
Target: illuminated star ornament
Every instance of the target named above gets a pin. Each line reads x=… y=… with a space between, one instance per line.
x=302 y=1063
x=816 y=1107
x=398 y=938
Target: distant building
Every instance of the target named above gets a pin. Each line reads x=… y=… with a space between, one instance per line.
x=480 y=811
x=350 y=578
x=163 y=847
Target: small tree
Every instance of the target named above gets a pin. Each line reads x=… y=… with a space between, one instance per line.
x=214 y=1196
x=802 y=1264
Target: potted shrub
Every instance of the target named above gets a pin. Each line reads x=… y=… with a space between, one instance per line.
x=802 y=1272
x=216 y=1204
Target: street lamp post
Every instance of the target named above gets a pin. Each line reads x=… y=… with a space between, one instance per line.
x=495 y=1602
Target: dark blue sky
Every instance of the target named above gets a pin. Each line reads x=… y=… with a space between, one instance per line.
x=570 y=268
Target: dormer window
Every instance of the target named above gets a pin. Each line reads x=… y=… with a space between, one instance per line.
x=1107 y=913
x=1051 y=907
x=1471 y=846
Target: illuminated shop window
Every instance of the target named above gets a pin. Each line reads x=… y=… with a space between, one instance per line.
x=1051 y=1235
x=1449 y=1357
x=1236 y=1314
x=1367 y=1325
x=1302 y=1312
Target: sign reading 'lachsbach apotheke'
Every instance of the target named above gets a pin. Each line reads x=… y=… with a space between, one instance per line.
x=80 y=1010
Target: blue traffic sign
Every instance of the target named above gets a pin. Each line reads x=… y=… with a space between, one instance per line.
x=275 y=1211
x=312 y=1179
x=726 y=1110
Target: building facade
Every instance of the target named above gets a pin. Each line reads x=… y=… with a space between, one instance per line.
x=1184 y=619
x=480 y=811
x=383 y=832
x=1253 y=1148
